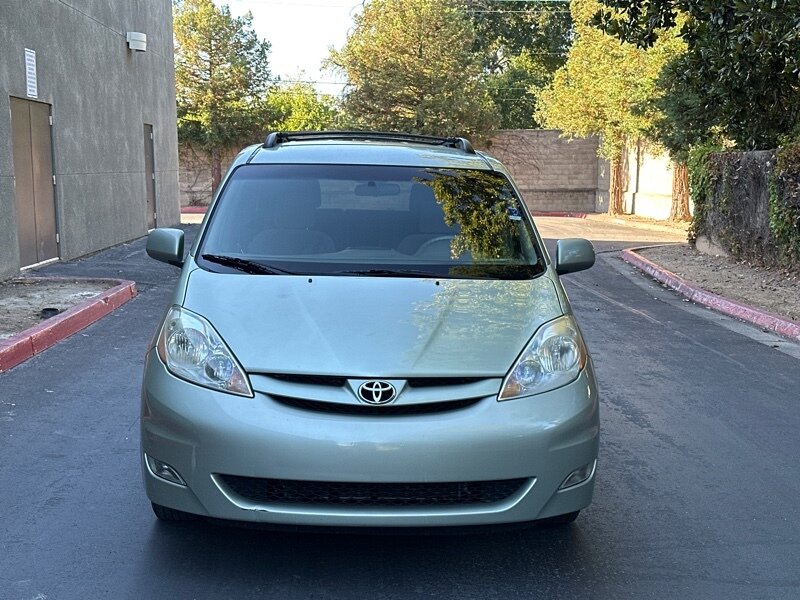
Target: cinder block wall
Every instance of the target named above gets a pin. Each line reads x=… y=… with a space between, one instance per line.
x=195 y=173
x=553 y=173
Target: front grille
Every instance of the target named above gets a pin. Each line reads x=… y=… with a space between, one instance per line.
x=288 y=491
x=419 y=382
x=386 y=410
x=326 y=380
x=339 y=381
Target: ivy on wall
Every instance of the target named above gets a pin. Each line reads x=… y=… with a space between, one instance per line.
x=748 y=202
x=784 y=204
x=700 y=187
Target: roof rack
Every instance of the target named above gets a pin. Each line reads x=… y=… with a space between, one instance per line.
x=279 y=137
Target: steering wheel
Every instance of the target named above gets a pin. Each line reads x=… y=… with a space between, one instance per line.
x=437 y=240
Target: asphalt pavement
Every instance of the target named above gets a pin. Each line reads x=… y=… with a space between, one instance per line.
x=696 y=496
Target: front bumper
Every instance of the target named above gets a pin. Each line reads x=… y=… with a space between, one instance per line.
x=202 y=433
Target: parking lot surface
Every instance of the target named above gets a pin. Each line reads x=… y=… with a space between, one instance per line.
x=696 y=496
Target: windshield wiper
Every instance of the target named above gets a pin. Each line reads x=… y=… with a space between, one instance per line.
x=244 y=265
x=391 y=273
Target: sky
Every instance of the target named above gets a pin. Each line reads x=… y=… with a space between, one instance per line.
x=301 y=33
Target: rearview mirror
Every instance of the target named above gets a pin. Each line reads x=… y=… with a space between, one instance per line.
x=166 y=245
x=573 y=254
x=377 y=188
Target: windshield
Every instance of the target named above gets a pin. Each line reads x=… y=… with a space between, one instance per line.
x=370 y=220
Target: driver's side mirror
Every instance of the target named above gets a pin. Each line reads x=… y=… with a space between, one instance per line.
x=166 y=245
x=573 y=254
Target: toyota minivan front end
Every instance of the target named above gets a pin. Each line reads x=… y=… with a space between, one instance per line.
x=368 y=331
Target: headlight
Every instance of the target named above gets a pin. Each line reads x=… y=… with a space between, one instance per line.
x=554 y=357
x=192 y=350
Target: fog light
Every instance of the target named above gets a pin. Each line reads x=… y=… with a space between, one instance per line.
x=579 y=475
x=163 y=470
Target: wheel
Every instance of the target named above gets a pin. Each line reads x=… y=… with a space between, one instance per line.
x=170 y=514
x=564 y=519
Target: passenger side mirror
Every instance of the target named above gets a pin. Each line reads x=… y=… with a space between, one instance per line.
x=573 y=254
x=166 y=245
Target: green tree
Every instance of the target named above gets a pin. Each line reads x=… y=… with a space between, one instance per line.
x=522 y=44
x=506 y=30
x=740 y=74
x=221 y=75
x=515 y=91
x=411 y=67
x=298 y=107
x=606 y=88
x=683 y=122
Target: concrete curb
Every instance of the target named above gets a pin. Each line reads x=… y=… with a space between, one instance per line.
x=194 y=210
x=751 y=314
x=22 y=346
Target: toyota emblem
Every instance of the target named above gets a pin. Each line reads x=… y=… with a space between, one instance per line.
x=376 y=392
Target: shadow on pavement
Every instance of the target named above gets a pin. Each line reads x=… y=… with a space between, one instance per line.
x=358 y=565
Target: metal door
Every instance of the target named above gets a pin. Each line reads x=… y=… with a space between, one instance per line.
x=150 y=175
x=33 y=180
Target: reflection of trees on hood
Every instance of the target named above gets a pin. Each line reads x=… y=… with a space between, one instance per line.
x=501 y=314
x=479 y=202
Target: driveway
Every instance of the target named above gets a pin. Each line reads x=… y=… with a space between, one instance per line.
x=696 y=494
x=606 y=234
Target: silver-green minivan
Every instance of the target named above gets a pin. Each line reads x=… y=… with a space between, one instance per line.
x=368 y=331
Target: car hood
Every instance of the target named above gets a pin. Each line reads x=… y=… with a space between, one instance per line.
x=372 y=326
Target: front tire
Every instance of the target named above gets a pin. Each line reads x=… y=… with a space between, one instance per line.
x=170 y=514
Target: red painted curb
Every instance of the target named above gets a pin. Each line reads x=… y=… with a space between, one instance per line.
x=544 y=213
x=745 y=312
x=201 y=210
x=22 y=346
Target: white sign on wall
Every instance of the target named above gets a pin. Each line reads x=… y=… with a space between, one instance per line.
x=30 y=73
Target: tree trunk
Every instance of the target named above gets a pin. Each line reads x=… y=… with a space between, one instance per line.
x=615 y=197
x=216 y=170
x=680 y=193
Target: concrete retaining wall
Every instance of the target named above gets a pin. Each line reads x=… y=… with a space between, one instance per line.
x=648 y=190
